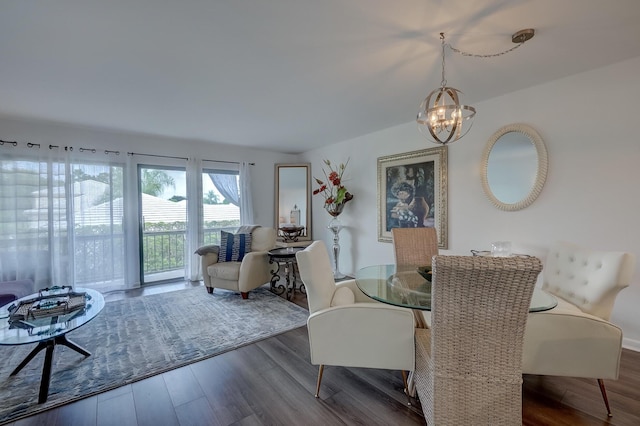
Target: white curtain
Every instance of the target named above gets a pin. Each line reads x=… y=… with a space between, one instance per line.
x=194 y=219
x=60 y=223
x=131 y=217
x=33 y=206
x=246 y=195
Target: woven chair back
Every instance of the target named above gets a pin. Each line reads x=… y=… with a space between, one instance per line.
x=471 y=373
x=414 y=246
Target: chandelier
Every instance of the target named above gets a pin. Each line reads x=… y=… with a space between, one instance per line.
x=442 y=117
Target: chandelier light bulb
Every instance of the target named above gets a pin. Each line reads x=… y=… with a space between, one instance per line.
x=442 y=118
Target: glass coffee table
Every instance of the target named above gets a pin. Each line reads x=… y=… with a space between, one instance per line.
x=47 y=332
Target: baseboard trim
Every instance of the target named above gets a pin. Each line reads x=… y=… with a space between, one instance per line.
x=633 y=345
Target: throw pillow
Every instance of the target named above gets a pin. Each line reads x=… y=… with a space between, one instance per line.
x=233 y=247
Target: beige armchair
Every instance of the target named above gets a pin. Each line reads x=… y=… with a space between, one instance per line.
x=575 y=338
x=253 y=271
x=347 y=328
x=468 y=364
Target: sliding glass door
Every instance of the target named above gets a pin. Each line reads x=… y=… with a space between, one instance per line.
x=163 y=222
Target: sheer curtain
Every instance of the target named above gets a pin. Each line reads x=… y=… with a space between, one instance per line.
x=239 y=195
x=194 y=219
x=33 y=208
x=60 y=222
x=227 y=185
x=246 y=198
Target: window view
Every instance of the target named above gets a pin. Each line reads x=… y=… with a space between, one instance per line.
x=221 y=203
x=165 y=221
x=163 y=206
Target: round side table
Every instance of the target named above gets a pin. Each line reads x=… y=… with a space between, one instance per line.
x=285 y=257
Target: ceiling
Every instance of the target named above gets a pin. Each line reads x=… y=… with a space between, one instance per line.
x=286 y=75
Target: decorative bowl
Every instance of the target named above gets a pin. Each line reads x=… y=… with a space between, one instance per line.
x=425 y=271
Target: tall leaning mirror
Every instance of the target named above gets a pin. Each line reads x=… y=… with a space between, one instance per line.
x=514 y=167
x=293 y=202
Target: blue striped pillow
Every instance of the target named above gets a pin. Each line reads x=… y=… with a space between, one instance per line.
x=233 y=247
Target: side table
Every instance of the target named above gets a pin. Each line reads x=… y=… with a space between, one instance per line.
x=285 y=257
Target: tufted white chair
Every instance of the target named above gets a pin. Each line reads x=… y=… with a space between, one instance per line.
x=251 y=273
x=346 y=327
x=575 y=338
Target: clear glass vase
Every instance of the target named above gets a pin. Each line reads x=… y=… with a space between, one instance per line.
x=335 y=226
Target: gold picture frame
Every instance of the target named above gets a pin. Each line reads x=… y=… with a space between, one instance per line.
x=412 y=192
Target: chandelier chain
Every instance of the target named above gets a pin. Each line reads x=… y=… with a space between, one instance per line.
x=443 y=82
x=490 y=55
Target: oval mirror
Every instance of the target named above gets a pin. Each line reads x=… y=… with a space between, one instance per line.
x=514 y=167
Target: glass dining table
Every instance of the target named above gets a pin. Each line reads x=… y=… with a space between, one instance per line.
x=407 y=287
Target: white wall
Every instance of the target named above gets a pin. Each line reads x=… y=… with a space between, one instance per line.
x=591 y=196
x=262 y=173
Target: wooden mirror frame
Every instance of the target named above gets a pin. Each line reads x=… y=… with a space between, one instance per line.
x=305 y=209
x=541 y=174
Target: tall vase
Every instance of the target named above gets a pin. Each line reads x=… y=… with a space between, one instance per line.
x=335 y=226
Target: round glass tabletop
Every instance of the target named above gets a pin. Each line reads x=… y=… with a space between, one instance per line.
x=405 y=286
x=35 y=330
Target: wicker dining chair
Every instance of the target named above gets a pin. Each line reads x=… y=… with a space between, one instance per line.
x=414 y=246
x=469 y=363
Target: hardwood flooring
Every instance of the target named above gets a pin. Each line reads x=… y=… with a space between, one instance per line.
x=271 y=382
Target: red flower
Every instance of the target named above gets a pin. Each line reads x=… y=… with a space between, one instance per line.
x=334 y=193
x=334 y=178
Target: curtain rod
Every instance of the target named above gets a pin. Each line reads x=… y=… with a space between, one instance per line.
x=106 y=151
x=66 y=148
x=184 y=158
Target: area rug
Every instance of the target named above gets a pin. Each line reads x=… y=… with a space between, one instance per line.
x=139 y=337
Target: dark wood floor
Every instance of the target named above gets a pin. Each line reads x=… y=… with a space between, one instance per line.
x=271 y=382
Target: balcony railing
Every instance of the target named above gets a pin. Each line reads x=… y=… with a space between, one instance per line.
x=99 y=258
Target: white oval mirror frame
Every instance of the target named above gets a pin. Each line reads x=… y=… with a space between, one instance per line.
x=533 y=191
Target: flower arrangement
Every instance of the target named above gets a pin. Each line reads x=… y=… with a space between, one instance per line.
x=334 y=192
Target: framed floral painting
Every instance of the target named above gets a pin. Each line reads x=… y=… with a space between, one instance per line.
x=412 y=192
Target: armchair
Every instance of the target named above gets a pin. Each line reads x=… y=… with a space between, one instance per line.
x=253 y=271
x=347 y=328
x=575 y=338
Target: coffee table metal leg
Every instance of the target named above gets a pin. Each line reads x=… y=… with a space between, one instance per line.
x=46 y=372
x=49 y=345
x=62 y=340
x=41 y=345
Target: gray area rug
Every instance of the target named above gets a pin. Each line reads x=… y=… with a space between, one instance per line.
x=135 y=338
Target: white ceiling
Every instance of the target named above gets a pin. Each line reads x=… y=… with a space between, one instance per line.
x=287 y=75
